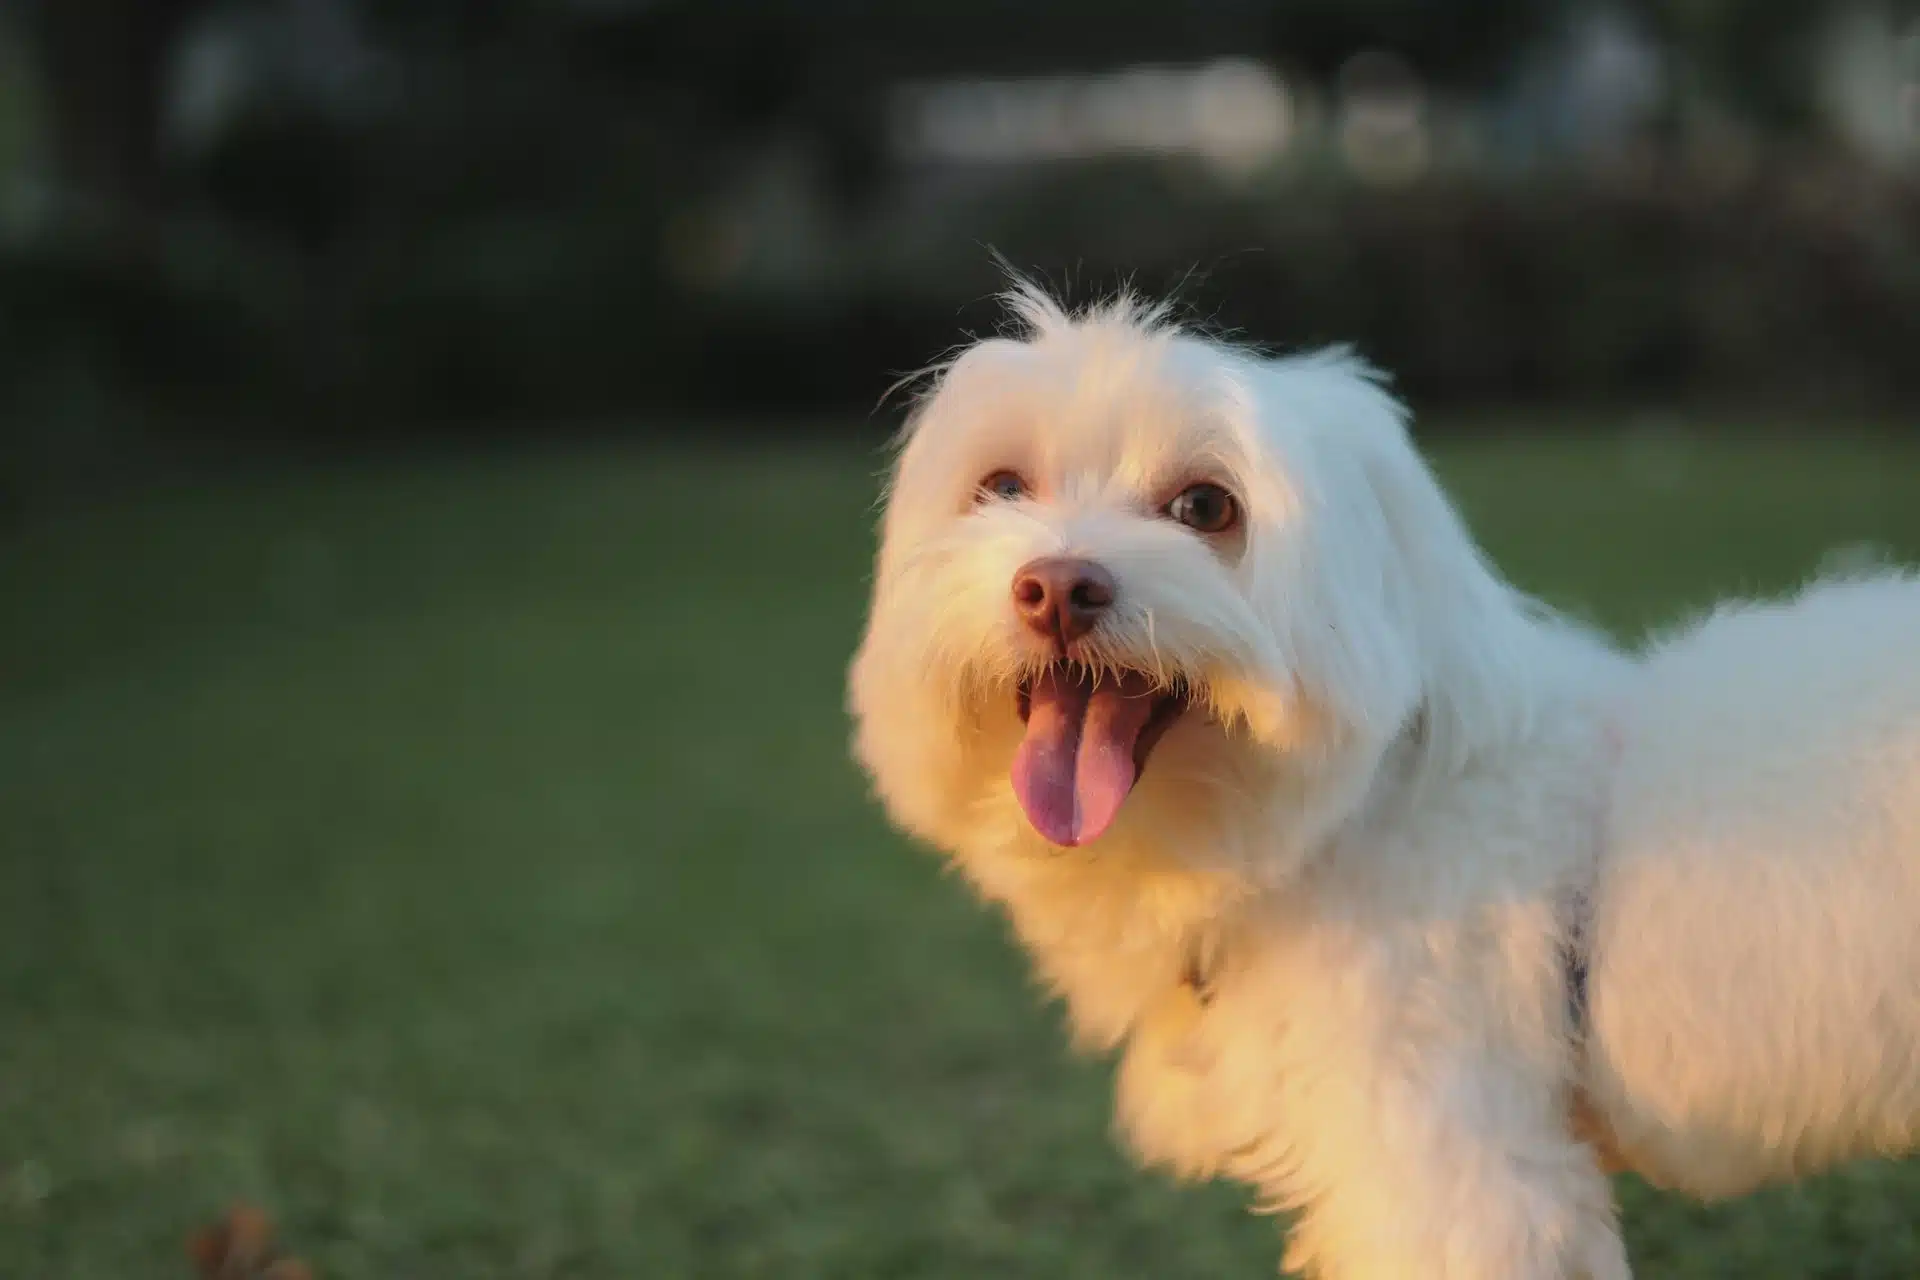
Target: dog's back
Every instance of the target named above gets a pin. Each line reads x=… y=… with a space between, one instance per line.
x=1755 y=967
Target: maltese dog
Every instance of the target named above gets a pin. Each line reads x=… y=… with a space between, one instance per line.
x=1409 y=903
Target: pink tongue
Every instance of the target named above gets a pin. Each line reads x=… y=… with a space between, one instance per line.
x=1075 y=765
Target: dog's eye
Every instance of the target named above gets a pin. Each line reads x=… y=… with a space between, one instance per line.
x=1204 y=508
x=1003 y=484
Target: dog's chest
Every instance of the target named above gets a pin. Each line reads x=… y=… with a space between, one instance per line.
x=1246 y=1061
x=1218 y=1065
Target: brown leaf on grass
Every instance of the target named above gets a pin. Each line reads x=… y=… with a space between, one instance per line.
x=240 y=1246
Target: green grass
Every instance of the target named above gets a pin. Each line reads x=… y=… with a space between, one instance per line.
x=463 y=862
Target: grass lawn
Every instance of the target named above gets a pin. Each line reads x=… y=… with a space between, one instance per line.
x=463 y=862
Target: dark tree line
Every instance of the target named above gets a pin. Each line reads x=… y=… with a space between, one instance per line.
x=475 y=231
x=720 y=68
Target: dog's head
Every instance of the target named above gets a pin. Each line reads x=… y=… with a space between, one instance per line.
x=1139 y=590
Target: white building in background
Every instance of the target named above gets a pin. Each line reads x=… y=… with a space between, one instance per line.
x=1867 y=74
x=307 y=51
x=1583 y=94
x=24 y=190
x=1234 y=113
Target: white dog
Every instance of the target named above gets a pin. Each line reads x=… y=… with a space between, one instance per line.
x=1410 y=904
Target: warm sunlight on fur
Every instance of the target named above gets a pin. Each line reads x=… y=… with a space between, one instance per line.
x=1376 y=872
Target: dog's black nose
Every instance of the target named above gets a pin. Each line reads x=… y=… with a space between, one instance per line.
x=1062 y=597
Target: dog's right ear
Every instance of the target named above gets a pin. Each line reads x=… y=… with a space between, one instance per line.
x=902 y=739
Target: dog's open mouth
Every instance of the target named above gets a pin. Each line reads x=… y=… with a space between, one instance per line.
x=1087 y=740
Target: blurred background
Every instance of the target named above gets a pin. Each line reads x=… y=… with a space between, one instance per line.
x=332 y=218
x=437 y=447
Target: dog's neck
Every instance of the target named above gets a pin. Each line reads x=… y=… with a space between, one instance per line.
x=1390 y=786
x=1115 y=928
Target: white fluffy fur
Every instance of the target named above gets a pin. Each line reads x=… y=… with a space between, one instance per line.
x=1373 y=840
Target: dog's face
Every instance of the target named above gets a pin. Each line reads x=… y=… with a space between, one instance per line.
x=1136 y=590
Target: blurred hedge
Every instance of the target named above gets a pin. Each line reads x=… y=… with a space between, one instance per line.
x=1799 y=282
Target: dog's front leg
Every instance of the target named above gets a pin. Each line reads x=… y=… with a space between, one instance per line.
x=1466 y=1178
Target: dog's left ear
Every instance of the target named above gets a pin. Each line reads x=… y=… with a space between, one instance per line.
x=1320 y=562
x=1384 y=604
x=1470 y=627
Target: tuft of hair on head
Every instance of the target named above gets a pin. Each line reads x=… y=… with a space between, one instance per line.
x=1032 y=313
x=1037 y=312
